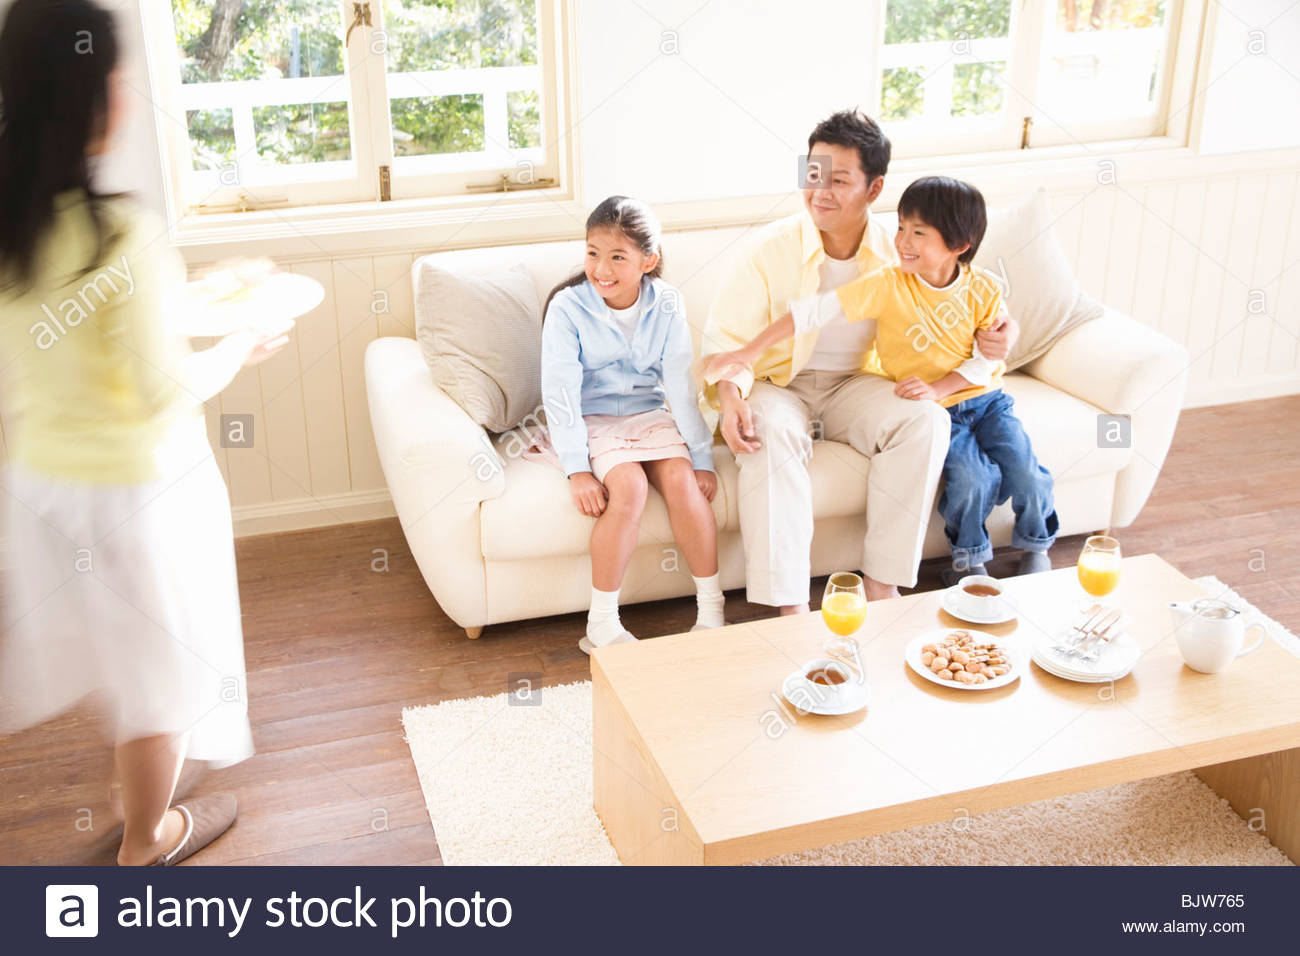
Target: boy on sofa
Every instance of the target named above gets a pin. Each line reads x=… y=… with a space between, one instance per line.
x=928 y=309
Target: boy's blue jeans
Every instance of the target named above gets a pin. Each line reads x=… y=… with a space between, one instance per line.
x=990 y=460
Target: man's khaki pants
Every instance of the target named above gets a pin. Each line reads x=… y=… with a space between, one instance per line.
x=906 y=442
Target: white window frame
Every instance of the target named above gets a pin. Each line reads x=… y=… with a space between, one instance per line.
x=1025 y=49
x=444 y=178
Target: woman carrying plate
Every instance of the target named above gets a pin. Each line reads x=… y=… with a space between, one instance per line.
x=123 y=584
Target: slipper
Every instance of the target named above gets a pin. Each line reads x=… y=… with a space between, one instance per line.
x=624 y=637
x=206 y=818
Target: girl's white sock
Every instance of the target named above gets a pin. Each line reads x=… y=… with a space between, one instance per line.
x=709 y=601
x=603 y=625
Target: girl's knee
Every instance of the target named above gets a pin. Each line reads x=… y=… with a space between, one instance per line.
x=678 y=479
x=627 y=486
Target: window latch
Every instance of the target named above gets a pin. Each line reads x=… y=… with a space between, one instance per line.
x=245 y=203
x=1024 y=132
x=507 y=185
x=360 y=17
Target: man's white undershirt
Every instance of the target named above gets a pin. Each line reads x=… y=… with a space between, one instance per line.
x=842 y=345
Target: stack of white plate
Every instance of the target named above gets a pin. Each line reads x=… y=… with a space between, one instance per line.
x=1116 y=659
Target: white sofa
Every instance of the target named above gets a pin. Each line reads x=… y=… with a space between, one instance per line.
x=497 y=539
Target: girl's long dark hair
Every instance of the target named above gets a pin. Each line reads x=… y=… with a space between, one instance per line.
x=632 y=218
x=55 y=60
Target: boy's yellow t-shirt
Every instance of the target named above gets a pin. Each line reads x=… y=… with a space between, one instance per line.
x=922 y=330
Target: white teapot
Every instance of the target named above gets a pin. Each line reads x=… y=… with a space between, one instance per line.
x=1210 y=633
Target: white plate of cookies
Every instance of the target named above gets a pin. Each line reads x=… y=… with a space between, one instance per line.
x=965 y=659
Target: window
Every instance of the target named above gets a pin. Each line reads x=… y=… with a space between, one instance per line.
x=277 y=103
x=963 y=75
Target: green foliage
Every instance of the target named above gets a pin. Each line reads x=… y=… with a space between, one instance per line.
x=310 y=133
x=460 y=34
x=265 y=40
x=525 y=118
x=212 y=133
x=276 y=39
x=901 y=96
x=975 y=88
x=919 y=21
x=437 y=124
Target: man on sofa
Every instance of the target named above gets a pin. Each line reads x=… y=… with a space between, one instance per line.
x=817 y=382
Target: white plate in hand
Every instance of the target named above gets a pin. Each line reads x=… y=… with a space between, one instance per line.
x=1015 y=655
x=269 y=306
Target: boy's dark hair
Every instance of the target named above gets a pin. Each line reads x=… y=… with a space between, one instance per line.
x=951 y=206
x=859 y=131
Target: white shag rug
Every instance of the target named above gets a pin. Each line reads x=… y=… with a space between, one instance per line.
x=507 y=783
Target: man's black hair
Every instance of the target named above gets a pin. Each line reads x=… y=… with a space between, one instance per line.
x=859 y=131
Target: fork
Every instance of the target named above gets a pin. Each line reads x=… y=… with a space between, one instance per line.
x=1105 y=619
x=1101 y=637
x=1078 y=633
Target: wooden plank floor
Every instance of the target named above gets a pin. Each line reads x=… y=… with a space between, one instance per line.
x=335 y=650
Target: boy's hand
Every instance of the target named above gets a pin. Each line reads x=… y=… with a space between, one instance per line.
x=996 y=341
x=588 y=494
x=708 y=483
x=727 y=363
x=915 y=389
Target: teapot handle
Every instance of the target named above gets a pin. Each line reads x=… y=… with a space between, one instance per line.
x=1263 y=633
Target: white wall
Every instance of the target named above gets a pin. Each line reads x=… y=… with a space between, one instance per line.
x=678 y=105
x=1252 y=96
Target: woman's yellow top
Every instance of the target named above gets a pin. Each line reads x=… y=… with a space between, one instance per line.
x=92 y=375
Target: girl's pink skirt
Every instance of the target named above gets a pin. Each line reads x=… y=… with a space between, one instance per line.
x=615 y=439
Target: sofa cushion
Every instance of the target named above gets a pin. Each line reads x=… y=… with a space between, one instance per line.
x=1042 y=292
x=481 y=336
x=535 y=517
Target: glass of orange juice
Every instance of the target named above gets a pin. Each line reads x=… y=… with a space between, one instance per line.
x=1099 y=565
x=844 y=608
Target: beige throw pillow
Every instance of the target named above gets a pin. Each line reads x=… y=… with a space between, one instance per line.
x=1044 y=295
x=481 y=335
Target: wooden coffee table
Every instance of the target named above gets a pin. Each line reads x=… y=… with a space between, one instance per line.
x=698 y=759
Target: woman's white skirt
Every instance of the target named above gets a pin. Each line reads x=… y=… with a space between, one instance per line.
x=128 y=593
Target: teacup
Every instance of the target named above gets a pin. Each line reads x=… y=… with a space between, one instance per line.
x=823 y=682
x=978 y=595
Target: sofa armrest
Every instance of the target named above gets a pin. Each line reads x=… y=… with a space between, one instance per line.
x=440 y=466
x=1125 y=368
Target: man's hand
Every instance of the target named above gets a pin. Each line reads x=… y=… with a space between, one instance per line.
x=587 y=493
x=708 y=483
x=915 y=389
x=737 y=420
x=996 y=341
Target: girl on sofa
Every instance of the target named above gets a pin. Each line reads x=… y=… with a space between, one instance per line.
x=622 y=412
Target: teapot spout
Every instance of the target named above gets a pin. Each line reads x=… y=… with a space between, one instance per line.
x=1181 y=610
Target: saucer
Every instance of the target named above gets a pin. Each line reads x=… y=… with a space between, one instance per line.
x=947 y=602
x=855 y=703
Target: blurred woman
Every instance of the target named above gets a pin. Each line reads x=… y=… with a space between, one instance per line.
x=123 y=579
